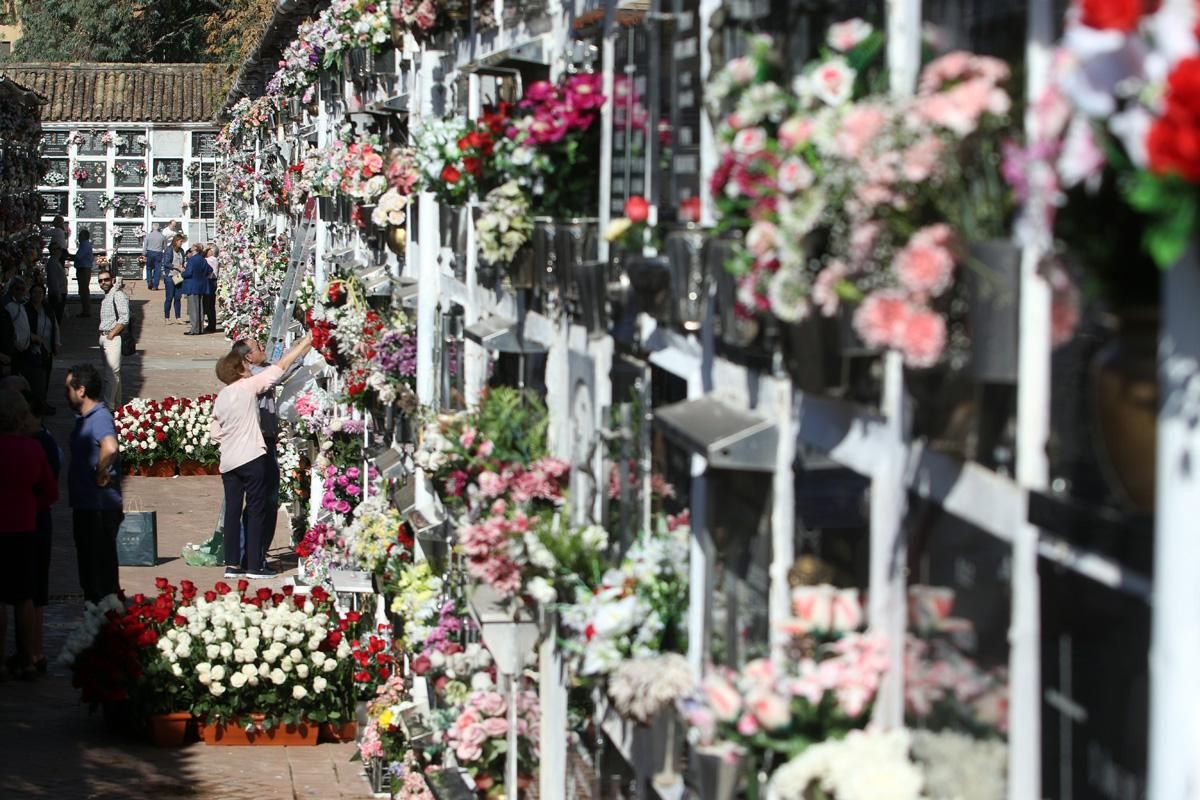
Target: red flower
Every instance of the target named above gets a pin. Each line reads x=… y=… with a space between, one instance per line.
x=637 y=209
x=187 y=589
x=1173 y=143
x=160 y=584
x=242 y=585
x=287 y=590
x=263 y=594
x=362 y=677
x=1117 y=15
x=473 y=166
x=222 y=588
x=689 y=210
x=210 y=596
x=421 y=664
x=450 y=174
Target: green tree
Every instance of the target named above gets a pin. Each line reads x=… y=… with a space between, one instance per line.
x=114 y=30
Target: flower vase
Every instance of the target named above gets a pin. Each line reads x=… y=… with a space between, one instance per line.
x=522 y=270
x=377 y=775
x=295 y=108
x=544 y=253
x=170 y=730
x=689 y=277
x=575 y=241
x=1124 y=383
x=993 y=276
x=718 y=773
x=396 y=240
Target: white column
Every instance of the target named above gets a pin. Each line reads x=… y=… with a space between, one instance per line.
x=1033 y=468
x=889 y=549
x=1175 y=642
x=783 y=516
x=552 y=699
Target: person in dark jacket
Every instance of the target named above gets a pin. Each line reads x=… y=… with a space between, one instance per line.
x=196 y=272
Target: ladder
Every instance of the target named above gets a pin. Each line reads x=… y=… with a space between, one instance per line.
x=303 y=243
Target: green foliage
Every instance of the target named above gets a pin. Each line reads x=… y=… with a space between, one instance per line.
x=1171 y=204
x=516 y=422
x=139 y=31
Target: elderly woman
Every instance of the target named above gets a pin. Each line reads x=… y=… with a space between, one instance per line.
x=245 y=464
x=27 y=486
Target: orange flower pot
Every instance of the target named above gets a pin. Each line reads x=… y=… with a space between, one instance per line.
x=220 y=734
x=335 y=732
x=192 y=467
x=159 y=469
x=170 y=730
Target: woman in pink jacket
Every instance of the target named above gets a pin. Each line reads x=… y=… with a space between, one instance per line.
x=244 y=460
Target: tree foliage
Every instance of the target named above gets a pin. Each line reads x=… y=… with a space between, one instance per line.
x=155 y=31
x=234 y=31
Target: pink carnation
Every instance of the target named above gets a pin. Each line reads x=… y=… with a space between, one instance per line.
x=795 y=133
x=925 y=266
x=923 y=338
x=861 y=124
x=881 y=317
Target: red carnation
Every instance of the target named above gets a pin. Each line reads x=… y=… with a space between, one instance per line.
x=1116 y=15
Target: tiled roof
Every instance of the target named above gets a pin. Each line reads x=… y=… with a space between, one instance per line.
x=95 y=92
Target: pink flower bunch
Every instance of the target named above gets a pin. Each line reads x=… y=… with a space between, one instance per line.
x=479 y=733
x=889 y=319
x=659 y=486
x=402 y=172
x=343 y=488
x=417 y=15
x=559 y=111
x=956 y=91
x=937 y=676
x=491 y=547
x=831 y=692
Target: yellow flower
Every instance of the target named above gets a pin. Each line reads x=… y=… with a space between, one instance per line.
x=617 y=228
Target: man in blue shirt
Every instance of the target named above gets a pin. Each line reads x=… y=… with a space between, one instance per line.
x=84 y=260
x=94 y=483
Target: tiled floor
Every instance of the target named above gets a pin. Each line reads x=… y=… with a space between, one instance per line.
x=50 y=745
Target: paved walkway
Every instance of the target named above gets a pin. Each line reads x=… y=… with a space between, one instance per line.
x=50 y=745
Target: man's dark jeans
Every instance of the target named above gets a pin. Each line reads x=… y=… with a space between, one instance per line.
x=96 y=550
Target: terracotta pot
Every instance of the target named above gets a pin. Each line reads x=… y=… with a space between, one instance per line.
x=336 y=732
x=192 y=467
x=170 y=730
x=1124 y=378
x=159 y=469
x=221 y=734
x=132 y=469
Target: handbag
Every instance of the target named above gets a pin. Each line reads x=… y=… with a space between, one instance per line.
x=137 y=538
x=176 y=279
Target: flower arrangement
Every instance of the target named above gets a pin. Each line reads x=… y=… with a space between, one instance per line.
x=173 y=429
x=107 y=138
x=478 y=736
x=144 y=202
x=121 y=169
x=764 y=708
x=81 y=174
x=343 y=488
x=376 y=537
x=79 y=203
x=452 y=154
x=550 y=144
x=54 y=178
x=870 y=174
x=390 y=210
x=322 y=549
x=140 y=167
x=634 y=611
x=76 y=138
x=162 y=179
x=504 y=224
x=863 y=765
x=108 y=201
x=642 y=687
x=290 y=664
x=374 y=665
x=416 y=594
x=193 y=170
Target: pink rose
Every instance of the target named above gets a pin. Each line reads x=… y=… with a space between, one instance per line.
x=770 y=709
x=833 y=82
x=849 y=34
x=747 y=725
x=811 y=606
x=490 y=703
x=749 y=141
x=473 y=735
x=467 y=753
x=485 y=449
x=794 y=176
x=495 y=727
x=741 y=70
x=795 y=133
x=760 y=671
x=722 y=697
